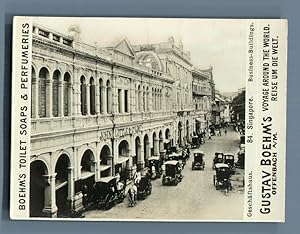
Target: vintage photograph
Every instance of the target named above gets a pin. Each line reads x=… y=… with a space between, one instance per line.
x=137 y=119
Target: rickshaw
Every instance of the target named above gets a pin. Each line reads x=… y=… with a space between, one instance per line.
x=172 y=173
x=198 y=162
x=144 y=187
x=154 y=164
x=219 y=158
x=108 y=192
x=221 y=179
x=229 y=159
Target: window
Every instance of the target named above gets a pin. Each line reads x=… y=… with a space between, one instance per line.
x=55 y=93
x=126 y=100
x=119 y=100
x=83 y=96
x=67 y=93
x=43 y=75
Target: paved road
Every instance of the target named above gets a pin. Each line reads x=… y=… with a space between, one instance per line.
x=195 y=198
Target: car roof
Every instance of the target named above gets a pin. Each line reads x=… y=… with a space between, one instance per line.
x=107 y=179
x=219 y=152
x=198 y=152
x=172 y=162
x=221 y=165
x=154 y=158
x=229 y=154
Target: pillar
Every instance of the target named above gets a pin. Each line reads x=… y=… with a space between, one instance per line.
x=111 y=163
x=60 y=98
x=88 y=101
x=71 y=189
x=97 y=98
x=104 y=104
x=34 y=101
x=49 y=98
x=140 y=160
x=156 y=147
x=50 y=208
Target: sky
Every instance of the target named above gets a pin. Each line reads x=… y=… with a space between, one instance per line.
x=219 y=43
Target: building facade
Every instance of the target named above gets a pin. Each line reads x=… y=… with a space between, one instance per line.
x=98 y=111
x=203 y=98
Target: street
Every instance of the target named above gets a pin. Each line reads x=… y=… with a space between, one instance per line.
x=195 y=198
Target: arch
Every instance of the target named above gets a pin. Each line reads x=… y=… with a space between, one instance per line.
x=67 y=94
x=56 y=92
x=61 y=183
x=123 y=148
x=104 y=155
x=92 y=96
x=83 y=100
x=87 y=160
x=38 y=170
x=43 y=92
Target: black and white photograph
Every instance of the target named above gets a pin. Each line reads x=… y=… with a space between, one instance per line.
x=137 y=119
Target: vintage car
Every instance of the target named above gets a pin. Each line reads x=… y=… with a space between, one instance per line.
x=144 y=187
x=219 y=158
x=198 y=162
x=172 y=173
x=229 y=159
x=221 y=179
x=108 y=192
x=154 y=164
x=177 y=157
x=196 y=142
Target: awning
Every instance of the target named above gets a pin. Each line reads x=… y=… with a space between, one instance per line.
x=86 y=174
x=122 y=159
x=104 y=167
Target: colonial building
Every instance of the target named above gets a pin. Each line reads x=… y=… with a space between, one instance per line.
x=101 y=111
x=203 y=98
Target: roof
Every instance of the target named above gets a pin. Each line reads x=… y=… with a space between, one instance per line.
x=154 y=158
x=172 y=162
x=221 y=165
x=198 y=151
x=107 y=179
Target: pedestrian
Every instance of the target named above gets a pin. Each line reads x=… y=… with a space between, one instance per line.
x=225 y=132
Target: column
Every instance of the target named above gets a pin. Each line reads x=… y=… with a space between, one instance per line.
x=50 y=200
x=76 y=93
x=34 y=101
x=70 y=99
x=114 y=96
x=97 y=170
x=97 y=98
x=71 y=190
x=111 y=163
x=150 y=101
x=156 y=147
x=88 y=101
x=141 y=160
x=49 y=98
x=60 y=98
x=104 y=100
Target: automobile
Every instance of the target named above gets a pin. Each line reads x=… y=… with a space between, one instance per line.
x=198 y=162
x=144 y=187
x=108 y=192
x=196 y=142
x=172 y=173
x=221 y=179
x=219 y=158
x=229 y=159
x=154 y=164
x=177 y=157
